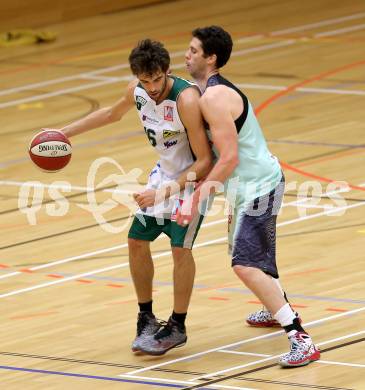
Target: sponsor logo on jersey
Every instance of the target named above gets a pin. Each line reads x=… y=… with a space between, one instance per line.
x=168 y=113
x=168 y=144
x=148 y=119
x=153 y=172
x=141 y=100
x=170 y=133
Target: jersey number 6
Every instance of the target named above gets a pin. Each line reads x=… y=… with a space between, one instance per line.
x=151 y=136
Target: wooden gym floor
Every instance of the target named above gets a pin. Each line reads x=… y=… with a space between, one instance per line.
x=68 y=308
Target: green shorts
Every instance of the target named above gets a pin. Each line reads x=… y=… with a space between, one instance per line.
x=180 y=236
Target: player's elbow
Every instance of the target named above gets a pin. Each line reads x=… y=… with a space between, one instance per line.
x=230 y=162
x=112 y=115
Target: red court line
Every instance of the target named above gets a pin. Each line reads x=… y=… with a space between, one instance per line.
x=300 y=306
x=26 y=270
x=293 y=305
x=218 y=299
x=317 y=177
x=28 y=316
x=121 y=302
x=115 y=285
x=218 y=287
x=292 y=88
x=84 y=281
x=335 y=309
x=309 y=271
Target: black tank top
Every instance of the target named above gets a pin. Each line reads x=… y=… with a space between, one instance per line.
x=217 y=79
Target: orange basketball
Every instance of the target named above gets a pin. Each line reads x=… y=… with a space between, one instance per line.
x=50 y=150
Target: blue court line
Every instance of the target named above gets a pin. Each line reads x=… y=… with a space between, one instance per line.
x=228 y=289
x=103 y=378
x=5 y=164
x=306 y=297
x=330 y=299
x=314 y=143
x=125 y=280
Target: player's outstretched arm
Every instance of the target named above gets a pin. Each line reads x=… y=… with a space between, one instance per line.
x=103 y=116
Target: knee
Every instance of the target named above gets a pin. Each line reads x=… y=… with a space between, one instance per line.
x=243 y=272
x=181 y=255
x=136 y=246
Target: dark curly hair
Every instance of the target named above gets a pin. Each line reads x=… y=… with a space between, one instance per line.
x=216 y=41
x=149 y=57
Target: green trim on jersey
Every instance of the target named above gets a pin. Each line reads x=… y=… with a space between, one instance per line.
x=178 y=86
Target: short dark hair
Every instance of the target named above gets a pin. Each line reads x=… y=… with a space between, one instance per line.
x=149 y=57
x=216 y=41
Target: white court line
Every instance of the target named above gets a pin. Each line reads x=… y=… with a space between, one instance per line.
x=318 y=24
x=222 y=239
x=243 y=353
x=321 y=344
x=214 y=386
x=236 y=344
x=119 y=191
x=98 y=271
x=263 y=47
x=67 y=260
x=112 y=80
x=333 y=91
x=109 y=80
x=262 y=86
x=90 y=77
x=342 y=338
x=326 y=212
x=62 y=79
x=124 y=66
x=174 y=54
x=113 y=248
x=97 y=252
x=304 y=89
x=250 y=38
x=271 y=357
x=263 y=355
x=60 y=187
x=341 y=364
x=313 y=206
x=340 y=31
x=64 y=91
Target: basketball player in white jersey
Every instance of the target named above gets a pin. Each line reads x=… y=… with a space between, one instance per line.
x=169 y=111
x=242 y=155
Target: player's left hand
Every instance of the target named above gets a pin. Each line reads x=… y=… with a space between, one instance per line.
x=147 y=198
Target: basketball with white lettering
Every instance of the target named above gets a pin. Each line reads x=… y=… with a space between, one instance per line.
x=50 y=150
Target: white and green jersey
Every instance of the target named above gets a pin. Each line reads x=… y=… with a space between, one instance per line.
x=258 y=171
x=164 y=128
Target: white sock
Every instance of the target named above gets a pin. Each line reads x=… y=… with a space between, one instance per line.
x=285 y=315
